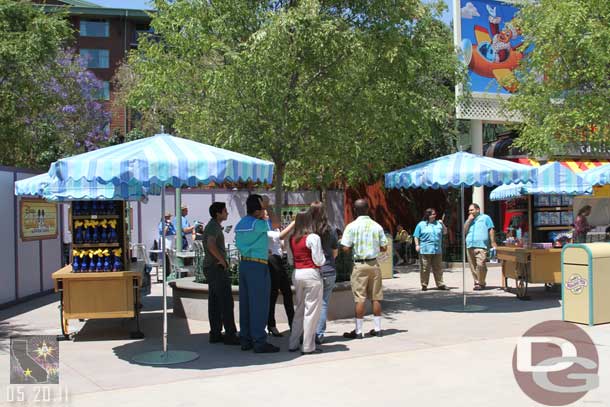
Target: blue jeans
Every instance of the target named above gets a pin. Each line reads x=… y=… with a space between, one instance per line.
x=254 y=291
x=328 y=285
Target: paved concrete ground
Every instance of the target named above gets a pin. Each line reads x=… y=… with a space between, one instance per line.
x=428 y=356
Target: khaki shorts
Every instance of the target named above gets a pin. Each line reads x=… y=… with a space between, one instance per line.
x=366 y=281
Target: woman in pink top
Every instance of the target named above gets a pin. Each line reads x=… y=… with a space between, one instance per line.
x=308 y=258
x=581 y=225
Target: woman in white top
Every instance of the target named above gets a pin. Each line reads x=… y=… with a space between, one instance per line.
x=280 y=280
x=308 y=258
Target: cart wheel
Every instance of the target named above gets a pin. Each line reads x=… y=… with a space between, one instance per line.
x=64 y=328
x=521 y=283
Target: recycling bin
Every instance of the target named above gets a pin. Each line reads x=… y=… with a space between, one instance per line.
x=585 y=288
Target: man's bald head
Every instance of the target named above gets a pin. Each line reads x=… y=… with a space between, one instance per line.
x=361 y=207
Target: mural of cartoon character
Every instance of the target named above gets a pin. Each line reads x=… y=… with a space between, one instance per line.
x=496 y=51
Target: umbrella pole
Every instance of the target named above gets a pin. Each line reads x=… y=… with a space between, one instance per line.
x=164 y=272
x=164 y=357
x=463 y=246
x=465 y=307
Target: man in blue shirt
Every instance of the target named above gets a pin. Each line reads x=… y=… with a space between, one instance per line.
x=480 y=235
x=166 y=227
x=254 y=281
x=186 y=226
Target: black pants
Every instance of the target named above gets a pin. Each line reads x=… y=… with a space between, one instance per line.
x=279 y=282
x=220 y=301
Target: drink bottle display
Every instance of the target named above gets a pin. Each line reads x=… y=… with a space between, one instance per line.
x=97 y=229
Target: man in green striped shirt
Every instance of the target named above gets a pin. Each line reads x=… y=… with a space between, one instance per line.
x=365 y=239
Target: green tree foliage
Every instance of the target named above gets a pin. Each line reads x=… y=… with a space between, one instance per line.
x=47 y=97
x=564 y=90
x=329 y=91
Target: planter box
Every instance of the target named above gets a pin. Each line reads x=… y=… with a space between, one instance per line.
x=191 y=301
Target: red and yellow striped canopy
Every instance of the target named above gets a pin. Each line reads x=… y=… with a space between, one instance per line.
x=574 y=165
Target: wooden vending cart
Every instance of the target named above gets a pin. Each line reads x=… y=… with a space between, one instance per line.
x=538 y=262
x=530 y=266
x=98 y=284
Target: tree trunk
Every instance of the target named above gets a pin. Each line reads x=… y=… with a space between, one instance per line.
x=324 y=197
x=279 y=188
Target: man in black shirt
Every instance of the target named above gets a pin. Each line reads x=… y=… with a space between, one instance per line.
x=220 y=298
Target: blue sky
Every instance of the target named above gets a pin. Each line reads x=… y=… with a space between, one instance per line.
x=447 y=17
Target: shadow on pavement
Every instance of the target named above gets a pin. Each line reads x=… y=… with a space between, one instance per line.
x=211 y=356
x=340 y=338
x=494 y=298
x=8 y=330
x=28 y=305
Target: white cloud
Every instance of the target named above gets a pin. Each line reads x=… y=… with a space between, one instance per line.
x=469 y=11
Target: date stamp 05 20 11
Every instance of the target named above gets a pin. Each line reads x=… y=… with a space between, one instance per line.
x=34 y=375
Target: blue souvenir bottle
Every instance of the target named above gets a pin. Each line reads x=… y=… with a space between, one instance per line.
x=106 y=263
x=95 y=236
x=75 y=264
x=98 y=265
x=117 y=266
x=94 y=208
x=83 y=265
x=91 y=265
x=78 y=235
x=103 y=234
x=113 y=237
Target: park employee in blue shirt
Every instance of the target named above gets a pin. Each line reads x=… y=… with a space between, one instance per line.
x=254 y=281
x=480 y=234
x=428 y=237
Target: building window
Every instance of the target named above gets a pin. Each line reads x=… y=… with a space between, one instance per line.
x=104 y=92
x=94 y=28
x=140 y=31
x=96 y=58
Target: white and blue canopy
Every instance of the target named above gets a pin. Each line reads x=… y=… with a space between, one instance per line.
x=162 y=160
x=553 y=178
x=43 y=186
x=598 y=175
x=459 y=169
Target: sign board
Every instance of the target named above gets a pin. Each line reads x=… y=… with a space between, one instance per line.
x=491 y=46
x=289 y=212
x=38 y=219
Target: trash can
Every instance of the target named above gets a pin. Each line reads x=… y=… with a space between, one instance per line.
x=386 y=261
x=585 y=288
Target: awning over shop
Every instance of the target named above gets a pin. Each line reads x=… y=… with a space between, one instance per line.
x=574 y=165
x=552 y=178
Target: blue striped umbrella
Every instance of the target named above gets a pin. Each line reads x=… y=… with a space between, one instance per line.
x=459 y=169
x=52 y=189
x=598 y=175
x=162 y=160
x=552 y=178
x=155 y=163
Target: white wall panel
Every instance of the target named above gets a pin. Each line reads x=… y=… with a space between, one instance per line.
x=7 y=238
x=51 y=261
x=29 y=268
